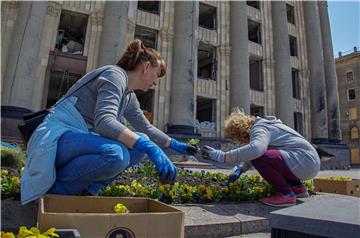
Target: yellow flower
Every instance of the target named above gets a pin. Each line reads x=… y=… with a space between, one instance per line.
x=208 y=193
x=15 y=179
x=50 y=232
x=4 y=172
x=7 y=235
x=162 y=188
x=120 y=208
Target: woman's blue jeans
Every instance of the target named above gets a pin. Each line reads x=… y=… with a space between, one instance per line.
x=90 y=162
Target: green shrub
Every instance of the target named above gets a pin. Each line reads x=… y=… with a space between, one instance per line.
x=14 y=158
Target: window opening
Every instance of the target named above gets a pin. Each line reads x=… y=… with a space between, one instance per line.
x=146 y=100
x=349 y=76
x=205 y=114
x=256 y=77
x=71 y=32
x=351 y=94
x=207 y=63
x=298 y=122
x=256 y=110
x=207 y=16
x=295 y=83
x=255 y=4
x=293 y=46
x=354 y=134
x=59 y=84
x=254 y=31
x=149 y=6
x=290 y=12
x=147 y=36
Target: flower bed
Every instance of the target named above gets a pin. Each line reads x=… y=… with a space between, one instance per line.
x=189 y=187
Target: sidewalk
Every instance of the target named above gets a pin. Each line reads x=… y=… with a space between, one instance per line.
x=242 y=219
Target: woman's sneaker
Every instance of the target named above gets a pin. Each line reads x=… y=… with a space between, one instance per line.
x=280 y=200
x=300 y=191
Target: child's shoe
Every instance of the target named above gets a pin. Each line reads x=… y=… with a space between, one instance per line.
x=280 y=200
x=300 y=191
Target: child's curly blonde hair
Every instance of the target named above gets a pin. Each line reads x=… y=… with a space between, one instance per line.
x=237 y=126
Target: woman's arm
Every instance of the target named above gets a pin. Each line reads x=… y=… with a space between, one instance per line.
x=259 y=142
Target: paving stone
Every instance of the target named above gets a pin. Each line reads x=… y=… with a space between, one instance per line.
x=329 y=215
x=208 y=221
x=254 y=216
x=14 y=215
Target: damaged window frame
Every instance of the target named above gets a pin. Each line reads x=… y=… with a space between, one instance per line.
x=256 y=83
x=290 y=13
x=67 y=35
x=351 y=94
x=256 y=110
x=298 y=122
x=211 y=59
x=293 y=46
x=149 y=6
x=254 y=31
x=143 y=34
x=296 y=83
x=254 y=4
x=210 y=103
x=207 y=12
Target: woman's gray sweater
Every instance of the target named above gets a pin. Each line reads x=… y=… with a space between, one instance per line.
x=105 y=101
x=266 y=133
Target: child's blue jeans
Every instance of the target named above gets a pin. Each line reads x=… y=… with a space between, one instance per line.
x=90 y=162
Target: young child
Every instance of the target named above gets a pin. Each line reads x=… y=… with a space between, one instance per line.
x=281 y=155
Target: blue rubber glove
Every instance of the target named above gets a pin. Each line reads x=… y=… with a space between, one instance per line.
x=238 y=170
x=166 y=169
x=183 y=148
x=236 y=173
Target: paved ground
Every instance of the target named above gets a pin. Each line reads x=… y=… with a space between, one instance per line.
x=227 y=220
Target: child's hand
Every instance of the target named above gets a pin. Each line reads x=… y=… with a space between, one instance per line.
x=213 y=154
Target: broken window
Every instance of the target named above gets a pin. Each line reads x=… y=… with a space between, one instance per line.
x=147 y=36
x=59 y=84
x=149 y=6
x=295 y=83
x=290 y=14
x=146 y=100
x=256 y=110
x=71 y=32
x=206 y=62
x=254 y=31
x=298 y=122
x=293 y=46
x=255 y=4
x=205 y=109
x=256 y=77
x=207 y=16
x=351 y=94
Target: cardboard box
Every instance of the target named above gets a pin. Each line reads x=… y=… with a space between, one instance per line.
x=94 y=216
x=351 y=188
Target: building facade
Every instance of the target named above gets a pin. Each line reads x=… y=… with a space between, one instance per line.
x=268 y=58
x=348 y=78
